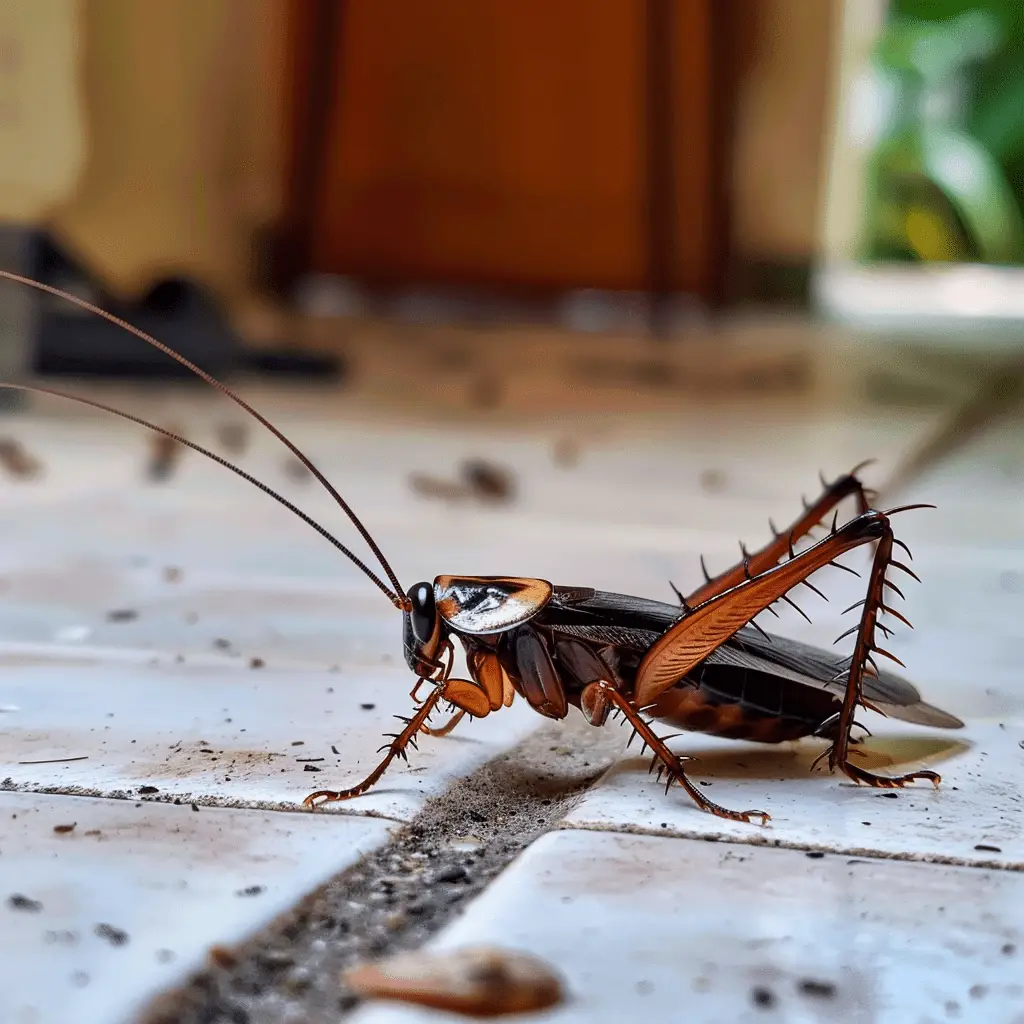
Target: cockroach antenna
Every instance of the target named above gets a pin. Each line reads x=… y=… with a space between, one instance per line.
x=395 y=593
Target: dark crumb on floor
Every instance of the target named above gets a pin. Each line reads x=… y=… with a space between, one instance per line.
x=977 y=991
x=250 y=890
x=146 y=790
x=115 y=936
x=762 y=997
x=195 y=807
x=19 y=902
x=985 y=848
x=400 y=895
x=221 y=644
x=311 y=768
x=334 y=749
x=487 y=480
x=815 y=854
x=367 y=707
x=122 y=615
x=64 y=829
x=1008 y=949
x=256 y=663
x=890 y=796
x=172 y=574
x=817 y=989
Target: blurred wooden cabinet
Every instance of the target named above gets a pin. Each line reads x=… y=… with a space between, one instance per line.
x=533 y=144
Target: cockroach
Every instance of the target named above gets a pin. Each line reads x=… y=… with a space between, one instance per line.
x=701 y=664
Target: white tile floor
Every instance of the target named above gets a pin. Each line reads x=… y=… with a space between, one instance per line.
x=158 y=701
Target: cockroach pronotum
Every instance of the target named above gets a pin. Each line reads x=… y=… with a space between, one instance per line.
x=702 y=664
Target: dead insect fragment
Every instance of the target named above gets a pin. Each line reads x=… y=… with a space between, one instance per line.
x=479 y=982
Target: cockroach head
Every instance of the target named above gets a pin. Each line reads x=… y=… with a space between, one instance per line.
x=423 y=630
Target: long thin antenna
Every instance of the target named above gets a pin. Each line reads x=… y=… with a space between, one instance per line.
x=149 y=340
x=395 y=599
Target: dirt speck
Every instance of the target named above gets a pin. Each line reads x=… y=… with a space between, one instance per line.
x=250 y=890
x=115 y=936
x=311 y=768
x=122 y=615
x=64 y=829
x=713 y=481
x=256 y=663
x=985 y=848
x=233 y=438
x=19 y=902
x=172 y=574
x=762 y=997
x=817 y=989
x=367 y=707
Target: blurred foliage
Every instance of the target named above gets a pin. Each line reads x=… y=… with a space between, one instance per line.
x=946 y=177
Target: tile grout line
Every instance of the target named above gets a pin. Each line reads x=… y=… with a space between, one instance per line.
x=398 y=896
x=868 y=853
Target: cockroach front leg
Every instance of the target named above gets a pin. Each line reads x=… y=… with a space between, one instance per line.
x=600 y=697
x=464 y=694
x=782 y=543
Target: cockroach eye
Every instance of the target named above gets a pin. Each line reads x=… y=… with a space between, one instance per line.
x=422 y=614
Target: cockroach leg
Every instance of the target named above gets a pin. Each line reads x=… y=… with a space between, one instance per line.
x=600 y=697
x=395 y=749
x=463 y=693
x=445 y=729
x=782 y=543
x=838 y=753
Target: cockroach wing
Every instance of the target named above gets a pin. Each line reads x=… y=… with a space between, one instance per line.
x=811 y=666
x=477 y=605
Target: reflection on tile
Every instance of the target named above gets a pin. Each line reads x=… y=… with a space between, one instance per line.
x=976 y=815
x=95 y=919
x=648 y=928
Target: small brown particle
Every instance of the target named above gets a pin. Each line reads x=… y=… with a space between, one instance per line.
x=712 y=480
x=566 y=452
x=172 y=574
x=17 y=461
x=256 y=663
x=164 y=454
x=64 y=829
x=221 y=956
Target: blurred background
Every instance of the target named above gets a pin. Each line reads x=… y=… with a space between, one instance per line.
x=510 y=206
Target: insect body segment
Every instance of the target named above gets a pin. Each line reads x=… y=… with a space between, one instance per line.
x=703 y=664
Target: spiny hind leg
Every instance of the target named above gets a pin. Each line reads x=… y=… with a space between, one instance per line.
x=600 y=697
x=862 y=663
x=783 y=541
